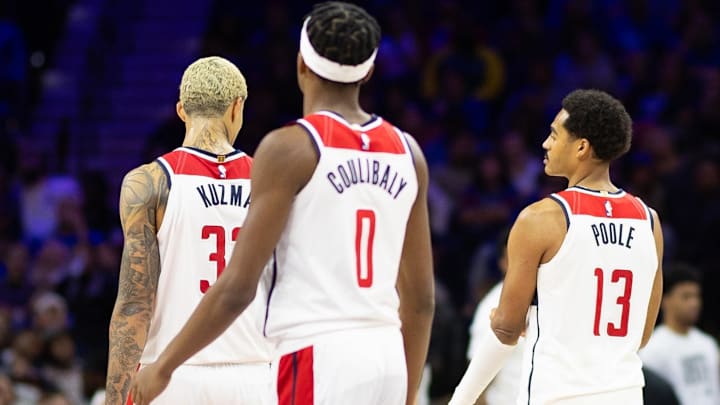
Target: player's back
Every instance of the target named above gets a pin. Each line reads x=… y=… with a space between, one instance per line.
x=337 y=261
x=592 y=300
x=206 y=207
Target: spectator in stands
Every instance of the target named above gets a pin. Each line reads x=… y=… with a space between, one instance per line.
x=41 y=194
x=7 y=393
x=15 y=287
x=62 y=368
x=55 y=398
x=50 y=314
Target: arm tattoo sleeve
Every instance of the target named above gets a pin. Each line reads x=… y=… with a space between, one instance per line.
x=142 y=201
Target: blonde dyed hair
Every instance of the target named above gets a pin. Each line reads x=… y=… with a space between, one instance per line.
x=209 y=85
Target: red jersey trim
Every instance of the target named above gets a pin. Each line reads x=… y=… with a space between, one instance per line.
x=378 y=136
x=183 y=162
x=626 y=206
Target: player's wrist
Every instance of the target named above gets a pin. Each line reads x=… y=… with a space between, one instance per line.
x=165 y=366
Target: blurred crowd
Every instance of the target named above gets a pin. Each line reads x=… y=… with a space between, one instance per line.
x=476 y=82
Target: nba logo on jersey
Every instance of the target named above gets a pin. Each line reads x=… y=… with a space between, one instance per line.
x=365 y=139
x=608 y=208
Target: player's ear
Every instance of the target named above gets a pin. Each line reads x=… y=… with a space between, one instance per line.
x=237 y=108
x=584 y=150
x=301 y=71
x=180 y=110
x=368 y=75
x=302 y=67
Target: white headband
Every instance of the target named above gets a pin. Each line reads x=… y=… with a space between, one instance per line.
x=328 y=69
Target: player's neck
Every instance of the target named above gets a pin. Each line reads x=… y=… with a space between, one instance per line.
x=344 y=100
x=597 y=178
x=208 y=134
x=677 y=327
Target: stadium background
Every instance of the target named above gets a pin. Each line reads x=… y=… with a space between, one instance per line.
x=88 y=87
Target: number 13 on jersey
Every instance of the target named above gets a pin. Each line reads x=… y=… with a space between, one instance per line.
x=623 y=300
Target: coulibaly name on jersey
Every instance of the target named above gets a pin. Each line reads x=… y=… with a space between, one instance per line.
x=612 y=234
x=223 y=194
x=366 y=171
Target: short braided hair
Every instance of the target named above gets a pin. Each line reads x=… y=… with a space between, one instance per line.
x=601 y=119
x=343 y=32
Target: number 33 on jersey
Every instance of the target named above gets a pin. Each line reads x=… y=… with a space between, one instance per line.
x=207 y=204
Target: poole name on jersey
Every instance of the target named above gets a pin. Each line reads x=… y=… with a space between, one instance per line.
x=612 y=234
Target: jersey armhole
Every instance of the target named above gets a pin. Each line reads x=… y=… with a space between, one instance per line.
x=403 y=138
x=166 y=169
x=270 y=291
x=312 y=133
x=649 y=213
x=564 y=205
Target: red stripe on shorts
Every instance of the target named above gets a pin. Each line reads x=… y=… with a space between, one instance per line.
x=295 y=378
x=129 y=398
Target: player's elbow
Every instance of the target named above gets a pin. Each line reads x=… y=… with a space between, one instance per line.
x=426 y=307
x=507 y=332
x=421 y=304
x=507 y=336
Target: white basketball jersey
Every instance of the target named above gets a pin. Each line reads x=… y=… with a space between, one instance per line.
x=689 y=362
x=337 y=261
x=592 y=300
x=206 y=207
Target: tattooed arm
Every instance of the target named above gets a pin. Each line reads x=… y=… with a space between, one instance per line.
x=143 y=198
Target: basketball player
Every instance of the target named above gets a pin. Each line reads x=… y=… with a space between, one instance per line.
x=342 y=194
x=591 y=256
x=504 y=387
x=181 y=214
x=684 y=355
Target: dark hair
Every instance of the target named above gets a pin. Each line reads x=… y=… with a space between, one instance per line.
x=343 y=32
x=677 y=273
x=601 y=119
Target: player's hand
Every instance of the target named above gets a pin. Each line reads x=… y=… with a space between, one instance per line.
x=149 y=382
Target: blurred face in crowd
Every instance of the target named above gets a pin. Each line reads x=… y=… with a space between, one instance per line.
x=49 y=314
x=62 y=350
x=27 y=344
x=17 y=261
x=51 y=319
x=49 y=264
x=7 y=395
x=55 y=399
x=462 y=151
x=707 y=176
x=560 y=148
x=683 y=303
